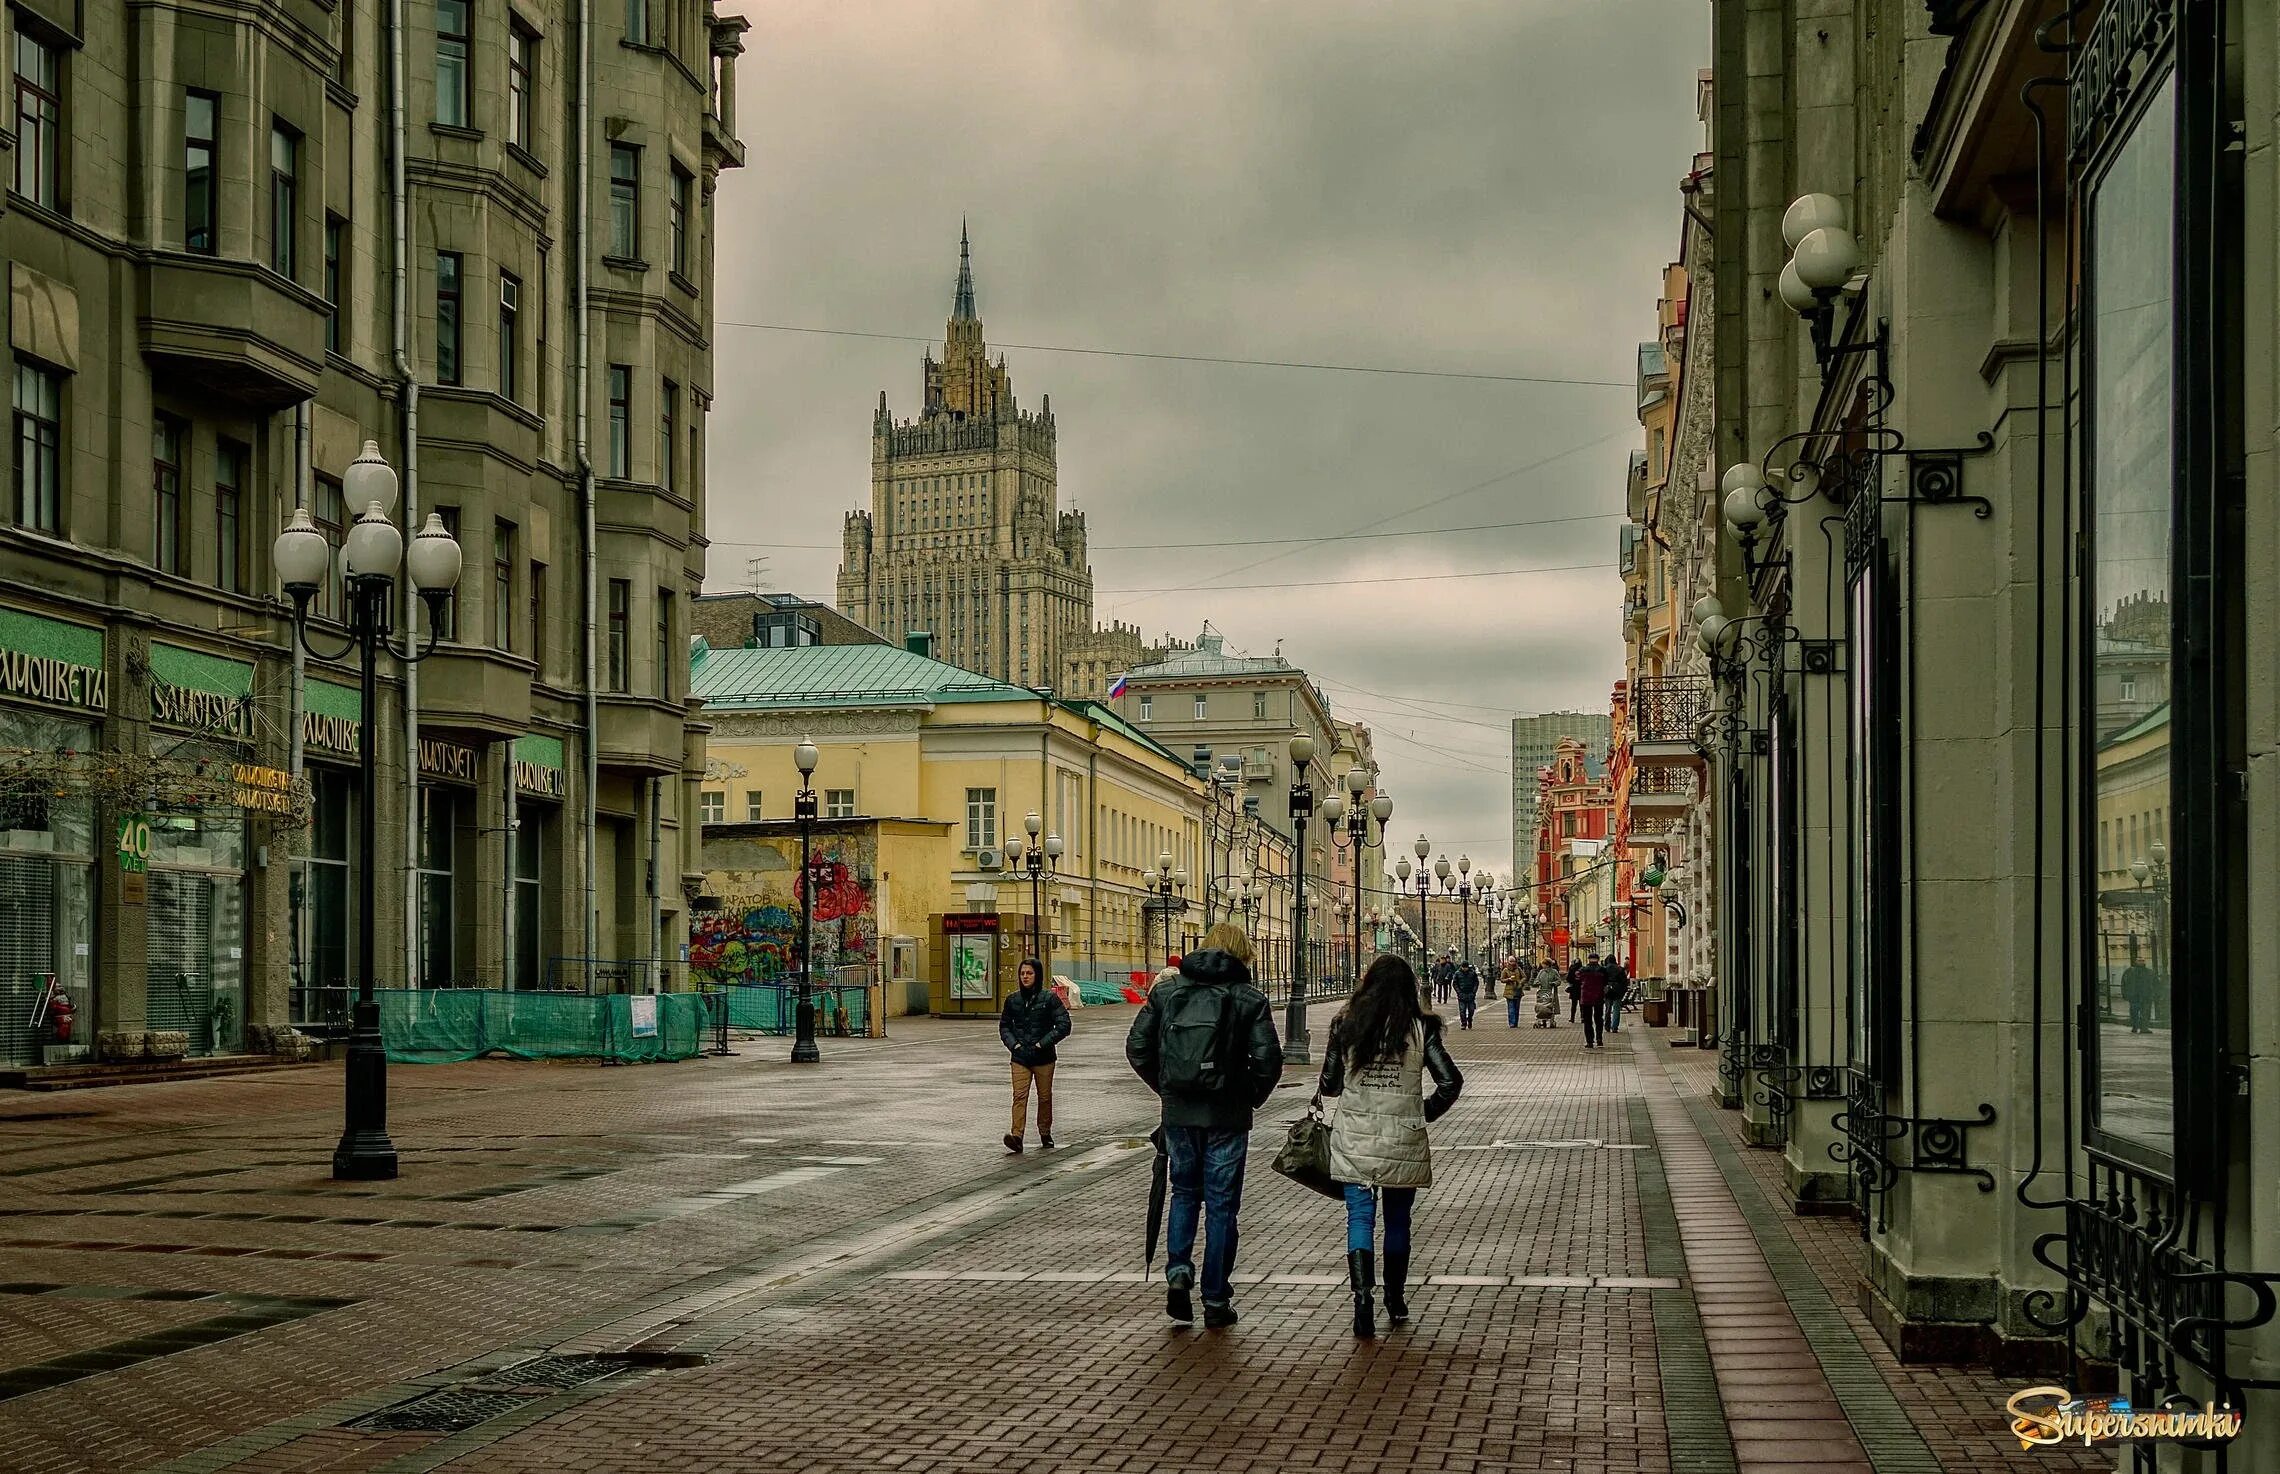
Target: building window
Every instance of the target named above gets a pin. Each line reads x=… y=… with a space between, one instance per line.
x=447 y=621
x=665 y=642
x=637 y=22
x=451 y=50
x=284 y=196
x=1147 y=708
x=2129 y=688
x=510 y=319
x=166 y=441
x=530 y=844
x=1202 y=705
x=447 y=297
x=839 y=803
x=39 y=114
x=752 y=805
x=712 y=806
x=981 y=818
x=39 y=444
x=678 y=211
x=621 y=421
x=330 y=512
x=625 y=196
x=230 y=460
x=335 y=228
x=538 y=617
x=669 y=399
x=621 y=612
x=522 y=83
x=1258 y=706
x=503 y=585
x=199 y=110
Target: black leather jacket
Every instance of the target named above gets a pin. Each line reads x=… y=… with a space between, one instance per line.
x=1249 y=1017
x=1033 y=1021
x=1448 y=1081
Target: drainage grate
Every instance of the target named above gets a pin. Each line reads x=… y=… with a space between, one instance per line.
x=450 y=1411
x=560 y=1371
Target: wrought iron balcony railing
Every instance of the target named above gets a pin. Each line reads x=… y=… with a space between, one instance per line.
x=1668 y=708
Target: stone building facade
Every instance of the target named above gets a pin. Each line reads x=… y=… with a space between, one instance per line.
x=219 y=288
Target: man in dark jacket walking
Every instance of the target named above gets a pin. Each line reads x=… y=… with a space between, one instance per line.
x=1468 y=994
x=1574 y=987
x=1033 y=1022
x=1618 y=988
x=1205 y=1043
x=1591 y=991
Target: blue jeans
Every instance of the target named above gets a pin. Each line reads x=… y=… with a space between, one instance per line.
x=1205 y=1172
x=1512 y=1012
x=1615 y=1014
x=1361 y=1217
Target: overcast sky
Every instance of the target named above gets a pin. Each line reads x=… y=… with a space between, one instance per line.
x=1461 y=186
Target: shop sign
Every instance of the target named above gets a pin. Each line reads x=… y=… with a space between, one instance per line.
x=202 y=711
x=266 y=790
x=539 y=767
x=449 y=760
x=970 y=923
x=343 y=735
x=134 y=858
x=56 y=682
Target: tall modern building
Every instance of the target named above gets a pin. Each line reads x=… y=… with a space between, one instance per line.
x=1535 y=739
x=234 y=255
x=965 y=538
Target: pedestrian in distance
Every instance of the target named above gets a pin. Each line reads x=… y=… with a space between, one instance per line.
x=1514 y=987
x=1031 y=1025
x=2137 y=991
x=1382 y=1045
x=1591 y=991
x=1574 y=987
x=1618 y=986
x=1468 y=994
x=1444 y=977
x=1548 y=984
x=1205 y=1043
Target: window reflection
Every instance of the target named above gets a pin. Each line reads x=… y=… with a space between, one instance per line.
x=2132 y=482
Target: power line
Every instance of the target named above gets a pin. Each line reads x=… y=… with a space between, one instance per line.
x=1259 y=542
x=1316 y=583
x=1281 y=363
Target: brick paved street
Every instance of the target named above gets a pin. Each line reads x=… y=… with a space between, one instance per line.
x=839 y=1269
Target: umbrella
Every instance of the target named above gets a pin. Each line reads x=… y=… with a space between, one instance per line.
x=1159 y=1173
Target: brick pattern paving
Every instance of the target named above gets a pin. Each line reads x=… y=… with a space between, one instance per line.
x=858 y=1278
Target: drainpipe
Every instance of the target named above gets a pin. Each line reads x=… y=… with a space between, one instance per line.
x=1092 y=853
x=656 y=907
x=581 y=191
x=510 y=836
x=400 y=210
x=296 y=958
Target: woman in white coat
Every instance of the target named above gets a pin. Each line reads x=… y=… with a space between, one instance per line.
x=1382 y=1046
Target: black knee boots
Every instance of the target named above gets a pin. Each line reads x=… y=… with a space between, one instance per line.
x=1397 y=1287
x=1360 y=1271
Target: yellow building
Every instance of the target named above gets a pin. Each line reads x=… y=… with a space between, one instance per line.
x=949 y=764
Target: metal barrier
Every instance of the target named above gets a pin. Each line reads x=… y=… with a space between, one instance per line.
x=842 y=1010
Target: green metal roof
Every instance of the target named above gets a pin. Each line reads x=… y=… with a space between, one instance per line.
x=808 y=677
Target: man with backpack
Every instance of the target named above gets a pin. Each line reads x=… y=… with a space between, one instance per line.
x=1205 y=1043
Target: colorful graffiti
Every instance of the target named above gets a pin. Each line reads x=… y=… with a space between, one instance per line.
x=755 y=936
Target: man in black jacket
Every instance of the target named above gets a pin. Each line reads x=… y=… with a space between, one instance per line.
x=1205 y=1043
x=1033 y=1021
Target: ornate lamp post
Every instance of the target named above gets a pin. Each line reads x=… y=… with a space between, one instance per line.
x=804 y=1051
x=1037 y=856
x=1423 y=847
x=1301 y=809
x=1357 y=816
x=1486 y=885
x=1168 y=887
x=375 y=549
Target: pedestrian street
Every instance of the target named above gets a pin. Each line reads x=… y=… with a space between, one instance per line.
x=738 y=1264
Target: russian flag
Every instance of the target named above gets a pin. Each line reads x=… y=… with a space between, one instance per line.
x=1117 y=689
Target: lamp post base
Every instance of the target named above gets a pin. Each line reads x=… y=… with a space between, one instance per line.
x=1294 y=1029
x=365 y=1154
x=804 y=1051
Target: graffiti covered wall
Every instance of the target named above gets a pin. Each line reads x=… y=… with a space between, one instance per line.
x=755 y=936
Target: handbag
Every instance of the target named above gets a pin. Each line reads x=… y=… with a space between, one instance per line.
x=1304 y=1157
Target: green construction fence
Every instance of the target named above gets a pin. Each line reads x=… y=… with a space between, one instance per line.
x=438 y=1025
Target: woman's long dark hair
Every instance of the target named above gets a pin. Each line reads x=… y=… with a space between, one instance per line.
x=1376 y=1021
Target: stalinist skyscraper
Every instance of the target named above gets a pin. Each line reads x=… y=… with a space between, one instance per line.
x=965 y=538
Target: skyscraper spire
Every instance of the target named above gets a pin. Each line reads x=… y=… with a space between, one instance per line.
x=963 y=311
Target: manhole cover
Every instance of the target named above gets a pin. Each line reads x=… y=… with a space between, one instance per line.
x=559 y=1371
x=450 y=1411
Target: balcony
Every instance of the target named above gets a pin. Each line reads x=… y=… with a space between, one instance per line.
x=233 y=327
x=476 y=689
x=1667 y=713
x=1659 y=797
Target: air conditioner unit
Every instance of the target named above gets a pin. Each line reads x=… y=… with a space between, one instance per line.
x=987 y=860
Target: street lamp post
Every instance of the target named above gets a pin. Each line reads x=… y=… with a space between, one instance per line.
x=1356 y=816
x=1301 y=809
x=1036 y=857
x=374 y=549
x=1168 y=886
x=1423 y=847
x=804 y=1051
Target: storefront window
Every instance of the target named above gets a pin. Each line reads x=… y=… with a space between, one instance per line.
x=2131 y=292
x=530 y=851
x=47 y=884
x=446 y=910
x=323 y=919
x=196 y=918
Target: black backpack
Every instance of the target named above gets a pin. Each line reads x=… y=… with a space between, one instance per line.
x=1197 y=1042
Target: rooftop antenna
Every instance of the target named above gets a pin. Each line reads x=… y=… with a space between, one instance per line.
x=756 y=575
